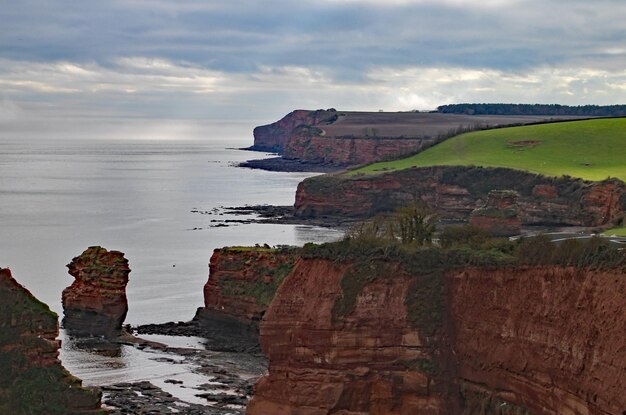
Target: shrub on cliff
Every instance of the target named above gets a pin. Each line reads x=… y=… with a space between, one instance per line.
x=410 y=225
x=593 y=253
x=463 y=235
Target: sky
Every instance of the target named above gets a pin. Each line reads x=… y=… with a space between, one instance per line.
x=188 y=68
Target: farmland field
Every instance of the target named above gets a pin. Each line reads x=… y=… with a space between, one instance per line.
x=589 y=149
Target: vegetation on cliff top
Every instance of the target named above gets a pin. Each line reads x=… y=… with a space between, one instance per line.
x=267 y=278
x=534 y=109
x=589 y=149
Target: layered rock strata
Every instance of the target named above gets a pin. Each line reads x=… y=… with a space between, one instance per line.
x=500 y=215
x=344 y=138
x=455 y=191
x=372 y=338
x=95 y=304
x=275 y=136
x=241 y=285
x=32 y=379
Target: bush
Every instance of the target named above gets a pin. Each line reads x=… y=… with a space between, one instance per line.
x=463 y=235
x=410 y=225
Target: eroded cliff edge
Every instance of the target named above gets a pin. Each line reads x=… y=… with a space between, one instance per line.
x=242 y=283
x=348 y=336
x=455 y=191
x=32 y=378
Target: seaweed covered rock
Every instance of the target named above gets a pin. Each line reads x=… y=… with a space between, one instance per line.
x=32 y=379
x=95 y=304
x=500 y=216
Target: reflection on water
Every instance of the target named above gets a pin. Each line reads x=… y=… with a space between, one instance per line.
x=132 y=363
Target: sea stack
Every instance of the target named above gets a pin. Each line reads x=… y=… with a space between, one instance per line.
x=32 y=379
x=95 y=304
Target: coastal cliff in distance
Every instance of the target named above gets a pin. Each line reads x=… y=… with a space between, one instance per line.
x=455 y=191
x=382 y=337
x=346 y=138
x=32 y=379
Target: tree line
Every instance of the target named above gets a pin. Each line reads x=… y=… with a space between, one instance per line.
x=534 y=109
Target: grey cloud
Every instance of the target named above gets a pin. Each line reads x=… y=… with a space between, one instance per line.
x=253 y=59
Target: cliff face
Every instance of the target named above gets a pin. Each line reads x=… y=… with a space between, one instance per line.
x=350 y=151
x=95 y=303
x=355 y=356
x=345 y=338
x=33 y=379
x=242 y=283
x=550 y=339
x=500 y=216
x=455 y=191
x=274 y=136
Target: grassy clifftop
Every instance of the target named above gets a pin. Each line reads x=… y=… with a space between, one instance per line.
x=589 y=149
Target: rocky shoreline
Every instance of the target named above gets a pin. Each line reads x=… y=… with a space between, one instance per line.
x=290 y=165
x=230 y=377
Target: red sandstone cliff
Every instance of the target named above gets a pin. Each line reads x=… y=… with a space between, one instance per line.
x=274 y=136
x=550 y=339
x=347 y=151
x=95 y=303
x=32 y=379
x=500 y=215
x=455 y=191
x=242 y=283
x=344 y=338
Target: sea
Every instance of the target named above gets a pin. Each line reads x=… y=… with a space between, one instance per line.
x=161 y=202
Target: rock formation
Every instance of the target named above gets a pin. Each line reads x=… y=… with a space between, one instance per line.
x=500 y=216
x=32 y=379
x=455 y=191
x=345 y=138
x=95 y=304
x=377 y=337
x=274 y=136
x=242 y=283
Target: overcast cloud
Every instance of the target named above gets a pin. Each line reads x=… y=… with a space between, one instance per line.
x=247 y=62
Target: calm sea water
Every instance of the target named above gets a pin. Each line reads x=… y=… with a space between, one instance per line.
x=59 y=197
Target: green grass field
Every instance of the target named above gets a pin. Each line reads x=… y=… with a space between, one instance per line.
x=616 y=232
x=590 y=149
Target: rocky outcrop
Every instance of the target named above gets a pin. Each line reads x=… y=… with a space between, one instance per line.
x=550 y=339
x=241 y=285
x=500 y=215
x=33 y=381
x=455 y=191
x=349 y=151
x=95 y=304
x=380 y=338
x=274 y=136
x=339 y=341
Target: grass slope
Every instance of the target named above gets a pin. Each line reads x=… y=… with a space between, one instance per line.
x=615 y=232
x=590 y=149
